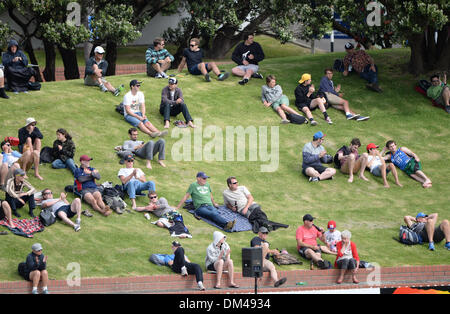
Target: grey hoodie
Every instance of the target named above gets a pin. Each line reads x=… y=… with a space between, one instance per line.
x=212 y=252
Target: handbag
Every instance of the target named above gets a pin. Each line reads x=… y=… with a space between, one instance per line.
x=47 y=217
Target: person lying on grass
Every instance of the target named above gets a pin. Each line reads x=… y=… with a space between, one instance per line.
x=425 y=226
x=62 y=209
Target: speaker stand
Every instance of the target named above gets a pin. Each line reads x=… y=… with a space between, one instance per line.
x=256 y=285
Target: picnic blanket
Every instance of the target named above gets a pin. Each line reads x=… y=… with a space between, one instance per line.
x=424 y=92
x=242 y=223
x=25 y=227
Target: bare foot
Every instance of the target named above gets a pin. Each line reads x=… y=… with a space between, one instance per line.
x=162 y=163
x=364 y=178
x=386 y=186
x=167 y=125
x=399 y=184
x=350 y=179
x=149 y=164
x=190 y=124
x=39 y=177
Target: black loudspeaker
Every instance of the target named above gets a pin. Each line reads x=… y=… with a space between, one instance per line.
x=252 y=261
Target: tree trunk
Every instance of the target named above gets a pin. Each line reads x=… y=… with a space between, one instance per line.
x=69 y=57
x=28 y=47
x=417 y=63
x=50 y=56
x=443 y=49
x=111 y=57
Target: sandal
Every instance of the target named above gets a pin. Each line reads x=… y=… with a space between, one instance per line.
x=233 y=286
x=87 y=213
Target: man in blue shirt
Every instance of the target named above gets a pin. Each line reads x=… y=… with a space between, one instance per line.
x=335 y=99
x=312 y=166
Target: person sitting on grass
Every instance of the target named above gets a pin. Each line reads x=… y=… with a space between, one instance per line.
x=134 y=110
x=312 y=166
x=35 y=269
x=348 y=160
x=378 y=166
x=63 y=151
x=334 y=97
x=408 y=161
x=218 y=259
x=182 y=265
x=204 y=203
x=247 y=55
x=143 y=150
x=158 y=59
x=5 y=212
x=440 y=91
x=272 y=96
x=347 y=257
x=425 y=226
x=30 y=139
x=85 y=177
x=193 y=56
x=62 y=209
x=95 y=72
x=307 y=100
x=159 y=207
x=133 y=180
x=267 y=266
x=172 y=103
x=11 y=160
x=16 y=195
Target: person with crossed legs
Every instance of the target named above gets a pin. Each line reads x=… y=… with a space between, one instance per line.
x=312 y=166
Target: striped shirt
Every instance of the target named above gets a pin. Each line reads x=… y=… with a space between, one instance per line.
x=152 y=56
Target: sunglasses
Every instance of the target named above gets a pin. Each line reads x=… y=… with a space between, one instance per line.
x=152 y=197
x=435 y=81
x=129 y=160
x=192 y=45
x=46 y=193
x=234 y=182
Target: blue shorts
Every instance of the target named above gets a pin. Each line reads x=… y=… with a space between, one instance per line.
x=65 y=209
x=377 y=171
x=135 y=121
x=195 y=71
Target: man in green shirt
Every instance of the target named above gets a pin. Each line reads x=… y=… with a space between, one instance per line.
x=204 y=203
x=439 y=91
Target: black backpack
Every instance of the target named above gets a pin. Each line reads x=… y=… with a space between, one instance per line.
x=46 y=155
x=47 y=217
x=338 y=65
x=296 y=118
x=408 y=236
x=424 y=84
x=120 y=108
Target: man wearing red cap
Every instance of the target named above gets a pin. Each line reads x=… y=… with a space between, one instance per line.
x=85 y=177
x=378 y=167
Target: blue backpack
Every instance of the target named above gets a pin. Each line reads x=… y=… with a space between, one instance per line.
x=408 y=236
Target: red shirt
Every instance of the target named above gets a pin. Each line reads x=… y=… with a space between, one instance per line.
x=307 y=236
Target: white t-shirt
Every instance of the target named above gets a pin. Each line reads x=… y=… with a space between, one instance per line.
x=133 y=101
x=331 y=238
x=127 y=171
x=376 y=162
x=239 y=196
x=55 y=206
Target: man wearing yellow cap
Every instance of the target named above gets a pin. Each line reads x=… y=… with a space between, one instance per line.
x=307 y=100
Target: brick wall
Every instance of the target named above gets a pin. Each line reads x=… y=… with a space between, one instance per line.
x=315 y=280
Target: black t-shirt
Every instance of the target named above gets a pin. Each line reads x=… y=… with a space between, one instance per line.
x=193 y=57
x=257 y=241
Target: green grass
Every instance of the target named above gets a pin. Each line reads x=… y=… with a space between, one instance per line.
x=121 y=245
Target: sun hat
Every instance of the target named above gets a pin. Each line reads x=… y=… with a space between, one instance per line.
x=305 y=77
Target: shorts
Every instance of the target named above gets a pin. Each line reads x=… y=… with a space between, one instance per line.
x=211 y=267
x=165 y=222
x=88 y=190
x=282 y=101
x=377 y=171
x=440 y=99
x=195 y=71
x=412 y=167
x=302 y=251
x=2 y=212
x=89 y=81
x=333 y=99
x=65 y=209
x=438 y=235
x=134 y=121
x=319 y=168
x=252 y=67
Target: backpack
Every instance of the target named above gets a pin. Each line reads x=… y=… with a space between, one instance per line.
x=424 y=84
x=408 y=236
x=285 y=259
x=161 y=259
x=34 y=86
x=113 y=199
x=296 y=118
x=46 y=155
x=120 y=109
x=338 y=65
x=22 y=269
x=47 y=217
x=336 y=160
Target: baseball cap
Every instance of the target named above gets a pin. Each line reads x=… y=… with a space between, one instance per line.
x=371 y=145
x=176 y=243
x=36 y=247
x=30 y=120
x=134 y=82
x=202 y=175
x=19 y=172
x=305 y=77
x=331 y=224
x=129 y=157
x=318 y=135
x=173 y=80
x=308 y=217
x=349 y=45
x=421 y=215
x=99 y=49
x=85 y=158
x=263 y=230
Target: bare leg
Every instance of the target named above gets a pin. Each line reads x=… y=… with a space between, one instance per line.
x=363 y=167
x=383 y=174
x=218 y=266
x=212 y=66
x=327 y=174
x=281 y=113
x=394 y=173
x=229 y=265
x=308 y=113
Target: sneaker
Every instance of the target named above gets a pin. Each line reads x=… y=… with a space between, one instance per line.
x=154 y=134
x=284 y=121
x=229 y=225
x=158 y=75
x=431 y=246
x=201 y=286
x=77 y=227
x=329 y=120
x=313 y=179
x=163 y=133
x=78 y=221
x=223 y=76
x=184 y=271
x=280 y=282
x=164 y=75
x=45 y=291
x=447 y=109
x=313 y=122
x=244 y=81
x=351 y=116
x=257 y=75
x=103 y=88
x=34 y=291
x=207 y=77
x=447 y=245
x=361 y=118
